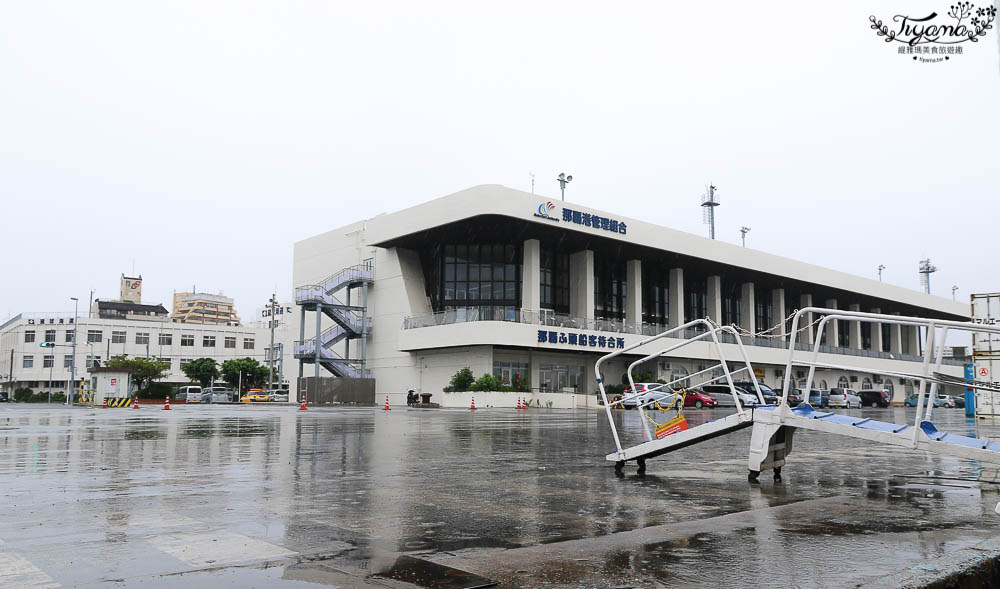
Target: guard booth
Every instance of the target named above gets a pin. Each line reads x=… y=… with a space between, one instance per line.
x=113 y=385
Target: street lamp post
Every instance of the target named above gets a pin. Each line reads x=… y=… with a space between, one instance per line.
x=880 y=268
x=72 y=363
x=743 y=234
x=563 y=181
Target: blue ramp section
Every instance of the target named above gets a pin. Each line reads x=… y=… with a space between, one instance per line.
x=927 y=427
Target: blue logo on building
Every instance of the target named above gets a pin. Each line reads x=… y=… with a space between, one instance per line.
x=544 y=211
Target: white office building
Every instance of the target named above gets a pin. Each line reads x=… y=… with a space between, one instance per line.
x=24 y=362
x=507 y=282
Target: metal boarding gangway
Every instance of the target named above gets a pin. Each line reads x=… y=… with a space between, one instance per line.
x=652 y=446
x=773 y=428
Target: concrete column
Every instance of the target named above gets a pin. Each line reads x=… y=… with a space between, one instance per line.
x=895 y=338
x=675 y=301
x=832 y=327
x=581 y=283
x=912 y=333
x=748 y=315
x=806 y=335
x=633 y=295
x=531 y=281
x=715 y=298
x=855 y=329
x=778 y=310
x=876 y=333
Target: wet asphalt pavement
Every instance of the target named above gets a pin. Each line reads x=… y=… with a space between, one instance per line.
x=273 y=497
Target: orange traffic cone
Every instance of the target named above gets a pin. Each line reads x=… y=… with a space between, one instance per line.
x=105 y=404
x=473 y=407
x=135 y=404
x=302 y=407
x=166 y=407
x=520 y=403
x=386 y=408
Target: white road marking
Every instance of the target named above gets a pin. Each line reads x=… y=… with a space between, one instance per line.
x=200 y=549
x=18 y=572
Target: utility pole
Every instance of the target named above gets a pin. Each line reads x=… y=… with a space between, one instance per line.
x=72 y=364
x=270 y=363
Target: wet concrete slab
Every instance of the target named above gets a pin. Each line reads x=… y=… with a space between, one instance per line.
x=271 y=496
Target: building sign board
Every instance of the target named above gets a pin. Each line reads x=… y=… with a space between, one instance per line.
x=986 y=353
x=594 y=221
x=581 y=340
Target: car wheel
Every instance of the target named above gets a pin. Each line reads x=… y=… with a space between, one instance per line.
x=698 y=404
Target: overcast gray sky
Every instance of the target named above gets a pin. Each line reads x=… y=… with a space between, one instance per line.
x=201 y=139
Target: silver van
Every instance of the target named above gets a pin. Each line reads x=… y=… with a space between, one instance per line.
x=190 y=394
x=217 y=394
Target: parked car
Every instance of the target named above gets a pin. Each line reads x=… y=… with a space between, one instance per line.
x=255 y=397
x=770 y=397
x=217 y=394
x=911 y=401
x=840 y=397
x=724 y=396
x=818 y=397
x=875 y=397
x=952 y=401
x=697 y=399
x=190 y=394
x=278 y=395
x=646 y=392
x=794 y=397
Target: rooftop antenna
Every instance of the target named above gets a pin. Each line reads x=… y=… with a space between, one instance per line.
x=708 y=203
x=925 y=274
x=954 y=289
x=532 y=174
x=743 y=234
x=880 y=268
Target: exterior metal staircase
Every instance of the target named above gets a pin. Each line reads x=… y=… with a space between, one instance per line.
x=350 y=322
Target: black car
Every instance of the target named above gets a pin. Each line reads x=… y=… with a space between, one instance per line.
x=770 y=397
x=874 y=398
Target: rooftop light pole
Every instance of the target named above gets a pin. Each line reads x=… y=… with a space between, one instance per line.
x=743 y=234
x=880 y=268
x=954 y=289
x=563 y=181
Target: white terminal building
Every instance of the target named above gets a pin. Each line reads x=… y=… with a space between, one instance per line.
x=506 y=282
x=109 y=329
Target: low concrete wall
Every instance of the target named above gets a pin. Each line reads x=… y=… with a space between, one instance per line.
x=506 y=400
x=344 y=391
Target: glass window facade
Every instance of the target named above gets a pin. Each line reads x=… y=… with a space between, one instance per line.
x=732 y=304
x=554 y=280
x=655 y=294
x=696 y=297
x=763 y=312
x=485 y=276
x=505 y=370
x=553 y=378
x=609 y=288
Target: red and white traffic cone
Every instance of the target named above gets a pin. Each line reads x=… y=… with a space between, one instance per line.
x=473 y=407
x=135 y=404
x=520 y=403
x=386 y=408
x=302 y=407
x=166 y=406
x=105 y=405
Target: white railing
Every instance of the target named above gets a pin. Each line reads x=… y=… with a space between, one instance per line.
x=699 y=329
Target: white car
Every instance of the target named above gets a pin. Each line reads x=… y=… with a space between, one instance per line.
x=847 y=398
x=647 y=393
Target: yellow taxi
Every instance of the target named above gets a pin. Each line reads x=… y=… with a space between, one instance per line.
x=255 y=396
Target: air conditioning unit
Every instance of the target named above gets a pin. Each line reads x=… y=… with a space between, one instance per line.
x=902 y=381
x=664 y=365
x=854 y=378
x=779 y=373
x=877 y=378
x=800 y=374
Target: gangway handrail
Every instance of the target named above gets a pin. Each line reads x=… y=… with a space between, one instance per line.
x=924 y=412
x=711 y=331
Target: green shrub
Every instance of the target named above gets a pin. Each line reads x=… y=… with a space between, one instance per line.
x=485 y=383
x=156 y=390
x=22 y=395
x=59 y=397
x=461 y=381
